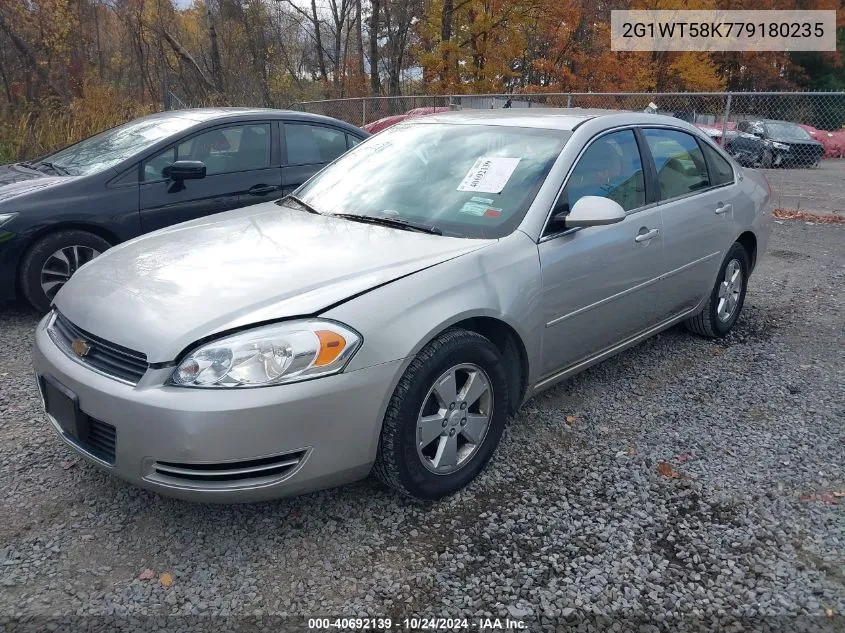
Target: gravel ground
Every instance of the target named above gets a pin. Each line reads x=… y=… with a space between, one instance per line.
x=572 y=519
x=816 y=190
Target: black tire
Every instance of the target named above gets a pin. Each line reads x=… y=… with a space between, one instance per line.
x=397 y=463
x=707 y=322
x=41 y=251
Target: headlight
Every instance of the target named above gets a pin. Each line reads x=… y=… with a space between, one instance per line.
x=269 y=355
x=7 y=217
x=782 y=146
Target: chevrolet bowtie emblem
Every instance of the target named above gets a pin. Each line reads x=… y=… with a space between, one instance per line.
x=80 y=347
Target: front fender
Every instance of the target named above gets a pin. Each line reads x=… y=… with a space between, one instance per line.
x=500 y=282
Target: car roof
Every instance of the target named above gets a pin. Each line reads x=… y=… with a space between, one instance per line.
x=546 y=118
x=204 y=115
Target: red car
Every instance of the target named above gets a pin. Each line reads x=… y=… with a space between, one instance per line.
x=386 y=122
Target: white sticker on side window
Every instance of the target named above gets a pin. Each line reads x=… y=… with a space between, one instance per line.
x=489 y=174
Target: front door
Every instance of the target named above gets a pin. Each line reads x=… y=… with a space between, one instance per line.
x=601 y=284
x=238 y=172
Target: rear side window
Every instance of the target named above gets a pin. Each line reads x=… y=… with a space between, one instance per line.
x=721 y=172
x=680 y=165
x=611 y=168
x=309 y=144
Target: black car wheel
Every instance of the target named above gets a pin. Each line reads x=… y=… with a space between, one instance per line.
x=52 y=260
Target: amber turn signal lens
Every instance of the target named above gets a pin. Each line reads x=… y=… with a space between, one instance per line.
x=331 y=345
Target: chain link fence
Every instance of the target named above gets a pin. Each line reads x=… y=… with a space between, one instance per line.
x=781 y=131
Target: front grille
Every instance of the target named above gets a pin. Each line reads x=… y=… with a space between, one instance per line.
x=228 y=474
x=101 y=440
x=106 y=357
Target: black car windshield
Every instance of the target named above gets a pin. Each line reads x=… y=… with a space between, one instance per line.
x=474 y=181
x=787 y=131
x=108 y=148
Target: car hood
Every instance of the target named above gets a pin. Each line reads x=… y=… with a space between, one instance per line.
x=18 y=181
x=794 y=141
x=161 y=292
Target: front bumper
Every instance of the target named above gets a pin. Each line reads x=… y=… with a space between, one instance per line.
x=215 y=445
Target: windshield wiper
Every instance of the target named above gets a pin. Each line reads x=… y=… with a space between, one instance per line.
x=301 y=203
x=393 y=222
x=56 y=168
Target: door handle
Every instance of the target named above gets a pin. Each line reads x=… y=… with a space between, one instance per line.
x=723 y=208
x=260 y=190
x=645 y=237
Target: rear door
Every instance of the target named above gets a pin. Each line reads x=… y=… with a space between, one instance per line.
x=601 y=283
x=696 y=187
x=308 y=147
x=240 y=170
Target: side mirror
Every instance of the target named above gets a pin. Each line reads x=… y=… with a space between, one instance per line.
x=594 y=211
x=185 y=170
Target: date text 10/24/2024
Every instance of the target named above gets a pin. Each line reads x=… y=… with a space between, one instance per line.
x=482 y=625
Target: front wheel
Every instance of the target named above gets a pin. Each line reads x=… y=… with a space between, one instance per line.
x=445 y=417
x=727 y=298
x=52 y=260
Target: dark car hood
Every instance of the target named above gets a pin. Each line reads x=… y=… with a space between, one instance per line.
x=794 y=141
x=17 y=181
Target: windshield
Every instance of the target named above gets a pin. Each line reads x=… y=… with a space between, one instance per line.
x=473 y=181
x=108 y=148
x=787 y=131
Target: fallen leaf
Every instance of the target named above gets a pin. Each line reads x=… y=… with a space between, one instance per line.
x=165 y=579
x=570 y=419
x=665 y=469
x=823 y=497
x=717 y=351
x=147 y=574
x=69 y=464
x=828 y=612
x=839 y=493
x=795 y=214
x=684 y=457
x=631 y=451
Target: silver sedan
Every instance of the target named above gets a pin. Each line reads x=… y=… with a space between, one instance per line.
x=392 y=313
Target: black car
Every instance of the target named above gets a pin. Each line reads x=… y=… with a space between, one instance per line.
x=768 y=143
x=62 y=210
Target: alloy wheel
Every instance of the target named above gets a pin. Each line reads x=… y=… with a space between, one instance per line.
x=729 y=290
x=61 y=265
x=454 y=418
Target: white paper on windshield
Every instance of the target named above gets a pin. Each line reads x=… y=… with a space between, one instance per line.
x=489 y=174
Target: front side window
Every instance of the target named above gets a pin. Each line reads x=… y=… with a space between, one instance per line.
x=313 y=144
x=610 y=168
x=223 y=150
x=680 y=165
x=474 y=181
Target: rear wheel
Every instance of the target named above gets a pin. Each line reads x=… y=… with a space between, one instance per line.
x=52 y=260
x=445 y=417
x=727 y=298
